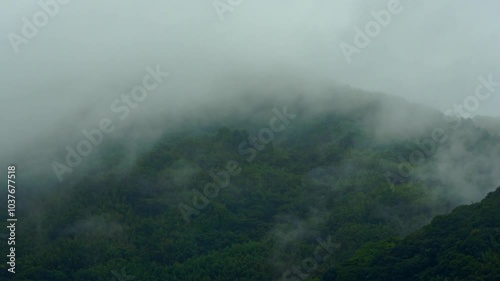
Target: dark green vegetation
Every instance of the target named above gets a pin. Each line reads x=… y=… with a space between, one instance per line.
x=464 y=245
x=323 y=176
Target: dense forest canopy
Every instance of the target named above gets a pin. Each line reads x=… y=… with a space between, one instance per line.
x=234 y=140
x=295 y=191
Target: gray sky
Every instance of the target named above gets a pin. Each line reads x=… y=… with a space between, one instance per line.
x=431 y=52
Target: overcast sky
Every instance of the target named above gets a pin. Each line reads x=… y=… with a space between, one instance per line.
x=430 y=52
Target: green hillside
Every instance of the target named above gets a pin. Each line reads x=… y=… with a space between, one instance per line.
x=464 y=245
x=315 y=193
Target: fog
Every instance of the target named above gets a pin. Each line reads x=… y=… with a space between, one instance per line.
x=205 y=61
x=66 y=77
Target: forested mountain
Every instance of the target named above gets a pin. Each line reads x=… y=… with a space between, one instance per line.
x=464 y=245
x=287 y=190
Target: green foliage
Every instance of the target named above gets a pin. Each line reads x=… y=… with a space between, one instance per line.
x=323 y=175
x=464 y=245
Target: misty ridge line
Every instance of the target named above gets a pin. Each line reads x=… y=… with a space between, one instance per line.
x=228 y=16
x=93 y=137
x=428 y=147
x=48 y=9
x=372 y=29
x=120 y=106
x=222 y=179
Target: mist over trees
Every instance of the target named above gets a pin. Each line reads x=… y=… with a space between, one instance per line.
x=250 y=140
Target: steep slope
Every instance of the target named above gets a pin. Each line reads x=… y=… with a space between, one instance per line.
x=464 y=245
x=243 y=197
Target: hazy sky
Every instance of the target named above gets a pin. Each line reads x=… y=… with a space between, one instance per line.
x=430 y=52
